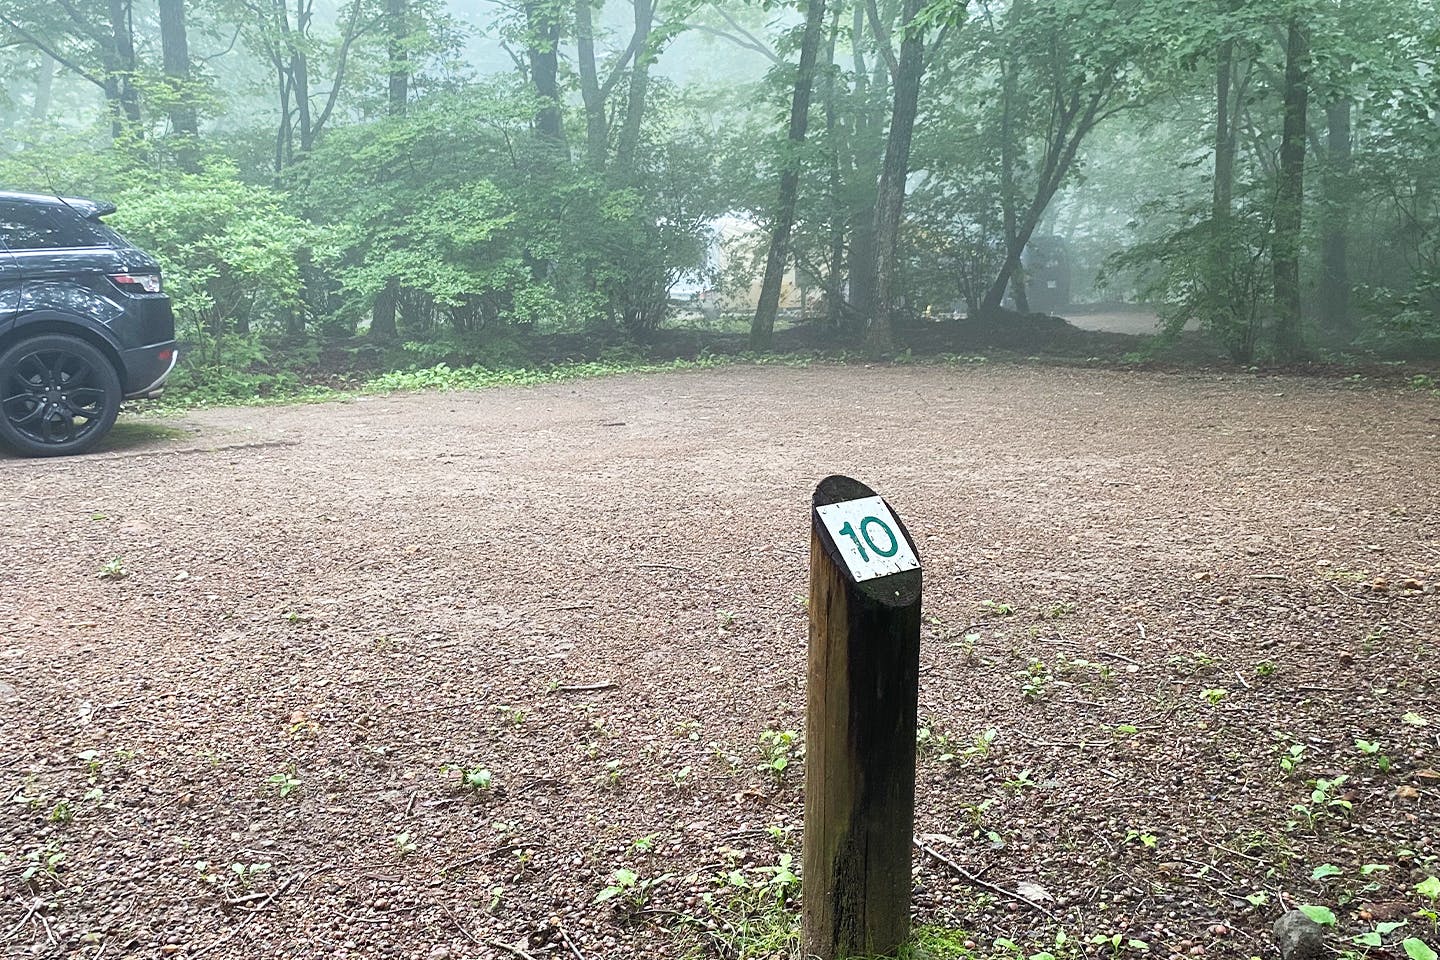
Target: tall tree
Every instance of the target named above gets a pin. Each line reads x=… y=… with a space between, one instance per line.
x=1335 y=313
x=397 y=31
x=175 y=54
x=762 y=328
x=907 y=69
x=1290 y=194
x=542 y=51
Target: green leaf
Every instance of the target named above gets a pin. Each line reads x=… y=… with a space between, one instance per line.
x=1414 y=719
x=1371 y=939
x=1429 y=887
x=1385 y=929
x=1321 y=915
x=1417 y=949
x=1324 y=870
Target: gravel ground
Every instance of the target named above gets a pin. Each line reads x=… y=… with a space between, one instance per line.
x=415 y=676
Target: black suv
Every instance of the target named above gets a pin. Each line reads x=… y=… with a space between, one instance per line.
x=83 y=324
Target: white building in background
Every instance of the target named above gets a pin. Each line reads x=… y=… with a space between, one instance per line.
x=734 y=271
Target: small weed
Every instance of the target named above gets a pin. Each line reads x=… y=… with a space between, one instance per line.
x=1056 y=610
x=284 y=782
x=1147 y=840
x=60 y=813
x=996 y=608
x=1292 y=758
x=43 y=863
x=1037 y=680
x=113 y=569
x=1323 y=801
x=1265 y=668
x=1021 y=782
x=614 y=773
x=777 y=749
x=1371 y=748
x=632 y=890
x=515 y=716
x=1214 y=695
x=404 y=843
x=476 y=778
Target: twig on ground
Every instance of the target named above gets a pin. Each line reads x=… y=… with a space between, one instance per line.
x=294 y=880
x=409 y=807
x=587 y=687
x=571 y=944
x=1241 y=677
x=1118 y=656
x=502 y=945
x=1243 y=856
x=658 y=566
x=23 y=920
x=576 y=606
x=976 y=881
x=1268 y=576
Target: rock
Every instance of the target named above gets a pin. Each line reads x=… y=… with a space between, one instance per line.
x=1299 y=937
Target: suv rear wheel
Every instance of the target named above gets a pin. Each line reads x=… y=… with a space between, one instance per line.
x=58 y=395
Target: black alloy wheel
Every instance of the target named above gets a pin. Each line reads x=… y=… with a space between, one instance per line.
x=58 y=395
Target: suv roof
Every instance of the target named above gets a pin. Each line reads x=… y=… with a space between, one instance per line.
x=89 y=209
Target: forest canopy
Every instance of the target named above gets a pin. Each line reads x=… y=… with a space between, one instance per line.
x=426 y=177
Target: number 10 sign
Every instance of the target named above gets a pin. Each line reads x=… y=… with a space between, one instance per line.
x=868 y=537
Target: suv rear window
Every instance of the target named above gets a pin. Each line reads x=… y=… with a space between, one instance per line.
x=34 y=226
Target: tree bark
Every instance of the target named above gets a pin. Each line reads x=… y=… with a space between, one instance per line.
x=543 y=54
x=836 y=266
x=398 y=56
x=1009 y=83
x=175 y=55
x=382 y=314
x=120 y=72
x=890 y=196
x=628 y=145
x=865 y=173
x=1334 y=253
x=597 y=130
x=1289 y=197
x=44 y=88
x=762 y=328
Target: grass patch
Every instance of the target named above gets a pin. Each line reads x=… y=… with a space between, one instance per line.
x=132 y=432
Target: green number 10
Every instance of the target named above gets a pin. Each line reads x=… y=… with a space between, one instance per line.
x=864 y=534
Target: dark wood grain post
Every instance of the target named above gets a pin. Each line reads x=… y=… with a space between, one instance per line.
x=860 y=725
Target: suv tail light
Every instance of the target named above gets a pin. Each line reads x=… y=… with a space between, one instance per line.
x=137 y=282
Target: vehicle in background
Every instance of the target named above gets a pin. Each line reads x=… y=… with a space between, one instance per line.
x=84 y=324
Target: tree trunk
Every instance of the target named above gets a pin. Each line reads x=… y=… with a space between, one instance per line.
x=597 y=128
x=44 y=88
x=1009 y=71
x=628 y=145
x=890 y=196
x=836 y=266
x=1224 y=184
x=120 y=85
x=398 y=55
x=762 y=328
x=1334 y=253
x=175 y=53
x=382 y=314
x=544 y=42
x=1289 y=197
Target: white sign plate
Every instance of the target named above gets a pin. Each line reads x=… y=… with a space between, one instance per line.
x=869 y=538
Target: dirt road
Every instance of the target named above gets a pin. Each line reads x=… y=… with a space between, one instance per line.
x=253 y=738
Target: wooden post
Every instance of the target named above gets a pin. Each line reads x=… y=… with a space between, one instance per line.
x=864 y=682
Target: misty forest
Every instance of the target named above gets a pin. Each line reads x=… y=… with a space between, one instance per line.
x=386 y=184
